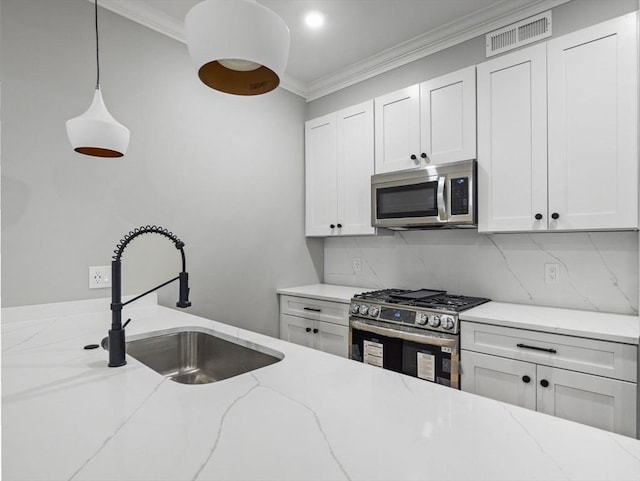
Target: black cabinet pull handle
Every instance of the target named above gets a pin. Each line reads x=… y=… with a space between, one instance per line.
x=315 y=331
x=555 y=216
x=544 y=383
x=526 y=379
x=538 y=216
x=333 y=226
x=339 y=226
x=308 y=329
x=313 y=309
x=535 y=348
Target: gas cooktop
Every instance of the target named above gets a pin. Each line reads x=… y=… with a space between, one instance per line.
x=422 y=298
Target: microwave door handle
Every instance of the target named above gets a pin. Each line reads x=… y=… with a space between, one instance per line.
x=442 y=207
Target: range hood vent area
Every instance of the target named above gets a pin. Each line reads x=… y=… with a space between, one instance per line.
x=518 y=34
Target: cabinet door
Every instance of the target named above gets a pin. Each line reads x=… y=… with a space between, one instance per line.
x=498 y=378
x=397 y=119
x=321 y=174
x=355 y=163
x=512 y=142
x=593 y=126
x=597 y=401
x=448 y=117
x=297 y=330
x=332 y=338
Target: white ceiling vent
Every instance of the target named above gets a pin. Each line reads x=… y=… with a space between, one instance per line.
x=518 y=34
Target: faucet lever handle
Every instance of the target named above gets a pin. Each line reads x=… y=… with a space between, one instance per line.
x=125 y=324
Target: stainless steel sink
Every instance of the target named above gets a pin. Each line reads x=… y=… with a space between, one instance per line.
x=198 y=357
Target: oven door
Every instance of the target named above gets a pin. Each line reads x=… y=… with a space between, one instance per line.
x=428 y=355
x=408 y=199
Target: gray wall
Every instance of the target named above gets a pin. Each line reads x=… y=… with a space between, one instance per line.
x=225 y=173
x=598 y=271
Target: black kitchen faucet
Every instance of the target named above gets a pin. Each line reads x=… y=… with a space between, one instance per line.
x=116 y=333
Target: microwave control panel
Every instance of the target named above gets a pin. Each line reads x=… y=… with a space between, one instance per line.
x=460 y=196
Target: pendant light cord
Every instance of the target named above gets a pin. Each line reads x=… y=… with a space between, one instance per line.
x=97 y=49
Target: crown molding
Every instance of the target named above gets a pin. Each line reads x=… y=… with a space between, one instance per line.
x=147 y=16
x=471 y=26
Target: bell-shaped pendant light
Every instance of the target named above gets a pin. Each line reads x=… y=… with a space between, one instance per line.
x=239 y=46
x=96 y=132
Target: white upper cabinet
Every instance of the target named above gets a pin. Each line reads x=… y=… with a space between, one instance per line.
x=580 y=90
x=448 y=117
x=512 y=142
x=355 y=160
x=593 y=159
x=430 y=123
x=339 y=164
x=321 y=173
x=397 y=130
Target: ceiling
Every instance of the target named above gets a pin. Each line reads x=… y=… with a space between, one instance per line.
x=360 y=38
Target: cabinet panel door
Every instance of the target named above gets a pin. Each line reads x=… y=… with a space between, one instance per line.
x=355 y=161
x=597 y=401
x=448 y=117
x=332 y=338
x=321 y=174
x=593 y=159
x=499 y=378
x=294 y=329
x=397 y=132
x=512 y=142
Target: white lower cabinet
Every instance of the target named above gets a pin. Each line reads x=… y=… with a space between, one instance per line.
x=317 y=324
x=530 y=377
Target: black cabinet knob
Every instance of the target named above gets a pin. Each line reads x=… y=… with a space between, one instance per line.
x=555 y=216
x=413 y=157
x=538 y=216
x=315 y=331
x=339 y=226
x=423 y=155
x=544 y=383
x=333 y=226
x=308 y=329
x=526 y=379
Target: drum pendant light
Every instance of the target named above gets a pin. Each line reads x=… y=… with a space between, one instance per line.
x=239 y=46
x=96 y=132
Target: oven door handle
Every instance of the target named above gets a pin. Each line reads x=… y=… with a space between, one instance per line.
x=404 y=335
x=442 y=207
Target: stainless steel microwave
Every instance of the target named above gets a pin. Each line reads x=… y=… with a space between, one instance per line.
x=434 y=196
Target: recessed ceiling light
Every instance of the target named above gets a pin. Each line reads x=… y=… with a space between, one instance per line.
x=314 y=19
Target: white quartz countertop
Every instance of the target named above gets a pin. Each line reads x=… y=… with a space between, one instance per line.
x=311 y=416
x=326 y=292
x=595 y=325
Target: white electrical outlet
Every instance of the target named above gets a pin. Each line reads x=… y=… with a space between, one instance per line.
x=552 y=274
x=99 y=277
x=357 y=265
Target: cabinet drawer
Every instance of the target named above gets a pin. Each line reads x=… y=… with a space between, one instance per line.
x=603 y=358
x=334 y=312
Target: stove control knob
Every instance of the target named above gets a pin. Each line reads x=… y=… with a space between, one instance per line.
x=374 y=311
x=434 y=321
x=422 y=318
x=364 y=310
x=447 y=322
x=355 y=308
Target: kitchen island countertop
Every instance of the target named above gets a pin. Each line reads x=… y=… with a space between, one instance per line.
x=311 y=416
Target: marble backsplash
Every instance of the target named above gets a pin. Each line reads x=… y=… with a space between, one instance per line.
x=598 y=271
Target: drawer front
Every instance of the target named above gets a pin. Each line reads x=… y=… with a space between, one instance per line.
x=603 y=358
x=316 y=309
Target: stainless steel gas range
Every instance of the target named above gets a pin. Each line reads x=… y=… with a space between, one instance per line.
x=415 y=332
